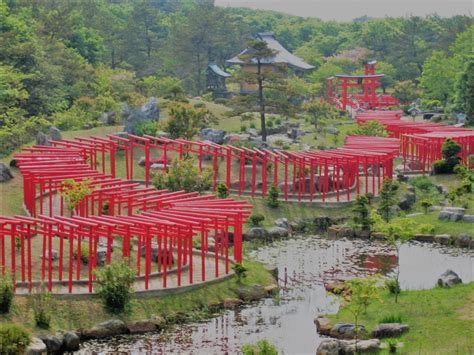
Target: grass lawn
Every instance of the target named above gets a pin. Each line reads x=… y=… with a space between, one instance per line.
x=442 y=227
x=441 y=320
x=192 y=305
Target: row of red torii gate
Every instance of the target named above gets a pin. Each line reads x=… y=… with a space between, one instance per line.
x=176 y=239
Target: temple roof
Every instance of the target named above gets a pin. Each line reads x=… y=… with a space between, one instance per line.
x=282 y=55
x=215 y=68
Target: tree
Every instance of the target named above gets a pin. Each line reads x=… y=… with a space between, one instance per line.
x=405 y=91
x=183 y=175
x=363 y=292
x=319 y=109
x=186 y=121
x=75 y=192
x=114 y=285
x=265 y=78
x=464 y=91
x=397 y=234
x=272 y=197
x=388 y=198
x=371 y=128
x=361 y=211
x=450 y=151
x=438 y=77
x=426 y=204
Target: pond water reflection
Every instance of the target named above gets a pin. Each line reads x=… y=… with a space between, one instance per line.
x=305 y=264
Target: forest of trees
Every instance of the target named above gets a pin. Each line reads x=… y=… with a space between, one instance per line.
x=67 y=62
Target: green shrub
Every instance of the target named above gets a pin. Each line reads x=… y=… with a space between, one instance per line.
x=440 y=167
x=243 y=128
x=41 y=303
x=450 y=152
x=263 y=347
x=13 y=339
x=278 y=121
x=114 y=285
x=393 y=286
x=392 y=346
x=84 y=253
x=256 y=219
x=426 y=204
x=240 y=271
x=221 y=101
x=150 y=128
x=272 y=197
x=183 y=175
x=6 y=293
x=270 y=124
x=422 y=183
x=391 y=318
x=222 y=190
x=199 y=105
x=252 y=125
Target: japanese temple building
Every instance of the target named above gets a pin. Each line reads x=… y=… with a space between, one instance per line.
x=282 y=56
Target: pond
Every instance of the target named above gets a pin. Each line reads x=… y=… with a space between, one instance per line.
x=305 y=263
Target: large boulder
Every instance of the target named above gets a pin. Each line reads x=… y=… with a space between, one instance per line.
x=444 y=239
x=323 y=325
x=5 y=173
x=273 y=270
x=150 y=110
x=71 y=342
x=106 y=329
x=42 y=139
x=154 y=254
x=251 y=293
x=463 y=240
x=55 y=134
x=256 y=233
x=341 y=347
x=345 y=331
x=54 y=343
x=36 y=347
x=469 y=218
x=141 y=326
x=133 y=117
x=213 y=135
x=108 y=118
x=452 y=214
x=278 y=233
x=407 y=202
x=282 y=223
x=389 y=330
x=449 y=279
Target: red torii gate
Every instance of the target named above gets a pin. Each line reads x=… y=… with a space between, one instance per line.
x=44 y=170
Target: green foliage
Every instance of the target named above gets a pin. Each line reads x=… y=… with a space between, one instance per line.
x=393 y=286
x=426 y=204
x=222 y=190
x=464 y=91
x=186 y=121
x=423 y=183
x=364 y=292
x=41 y=303
x=114 y=285
x=361 y=212
x=240 y=271
x=263 y=347
x=149 y=128
x=405 y=91
x=167 y=87
x=6 y=293
x=318 y=109
x=371 y=128
x=183 y=175
x=256 y=219
x=450 y=151
x=388 y=198
x=272 y=197
x=75 y=191
x=13 y=339
x=391 y=318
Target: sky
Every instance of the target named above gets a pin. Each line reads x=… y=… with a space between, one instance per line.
x=345 y=10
